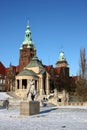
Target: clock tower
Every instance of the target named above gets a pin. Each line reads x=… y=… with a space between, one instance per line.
x=27 y=49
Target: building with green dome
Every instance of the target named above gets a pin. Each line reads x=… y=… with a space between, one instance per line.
x=33 y=71
x=62 y=64
x=27 y=49
x=31 y=68
x=46 y=78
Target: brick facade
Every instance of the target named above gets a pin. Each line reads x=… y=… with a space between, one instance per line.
x=26 y=54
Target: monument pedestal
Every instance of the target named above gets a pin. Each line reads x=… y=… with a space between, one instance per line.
x=29 y=108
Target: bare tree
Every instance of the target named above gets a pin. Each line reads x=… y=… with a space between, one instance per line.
x=83 y=64
x=81 y=89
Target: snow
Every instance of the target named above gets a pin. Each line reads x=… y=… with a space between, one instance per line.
x=50 y=118
x=4 y=96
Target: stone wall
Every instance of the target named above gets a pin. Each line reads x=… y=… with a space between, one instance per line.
x=55 y=102
x=77 y=104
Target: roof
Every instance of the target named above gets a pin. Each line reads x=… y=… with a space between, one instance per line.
x=2 y=68
x=42 y=72
x=6 y=70
x=62 y=61
x=27 y=72
x=48 y=68
x=17 y=68
x=35 y=62
x=74 y=77
x=14 y=68
x=28 y=40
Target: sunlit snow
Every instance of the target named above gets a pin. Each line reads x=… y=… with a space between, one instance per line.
x=50 y=118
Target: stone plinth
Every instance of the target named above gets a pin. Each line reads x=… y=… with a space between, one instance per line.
x=29 y=108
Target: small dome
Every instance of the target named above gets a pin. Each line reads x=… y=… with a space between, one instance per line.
x=28 y=46
x=28 y=31
x=61 y=56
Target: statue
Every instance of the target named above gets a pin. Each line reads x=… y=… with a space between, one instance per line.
x=30 y=101
x=31 y=92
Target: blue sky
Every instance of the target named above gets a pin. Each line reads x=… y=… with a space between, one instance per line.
x=55 y=25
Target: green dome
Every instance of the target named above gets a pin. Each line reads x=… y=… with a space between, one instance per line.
x=28 y=40
x=61 y=56
x=27 y=72
x=35 y=62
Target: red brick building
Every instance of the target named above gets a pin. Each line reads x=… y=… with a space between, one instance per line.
x=2 y=76
x=27 y=52
x=27 y=49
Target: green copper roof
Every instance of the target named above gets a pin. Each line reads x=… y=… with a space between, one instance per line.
x=28 y=40
x=35 y=62
x=27 y=72
x=61 y=56
x=42 y=72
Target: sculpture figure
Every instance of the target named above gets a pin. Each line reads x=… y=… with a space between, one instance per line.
x=31 y=92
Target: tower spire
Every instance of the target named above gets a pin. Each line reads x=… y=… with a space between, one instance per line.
x=27 y=49
x=61 y=48
x=28 y=39
x=28 y=21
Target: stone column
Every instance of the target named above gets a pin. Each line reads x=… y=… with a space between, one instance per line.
x=64 y=97
x=37 y=86
x=27 y=82
x=16 y=84
x=41 y=85
x=20 y=84
x=47 y=85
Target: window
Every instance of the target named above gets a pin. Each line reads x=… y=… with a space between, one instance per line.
x=59 y=100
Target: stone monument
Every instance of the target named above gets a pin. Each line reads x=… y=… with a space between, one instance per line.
x=29 y=106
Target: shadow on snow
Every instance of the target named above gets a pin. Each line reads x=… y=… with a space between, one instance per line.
x=47 y=111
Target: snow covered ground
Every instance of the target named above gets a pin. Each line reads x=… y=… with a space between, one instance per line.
x=50 y=118
x=4 y=96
